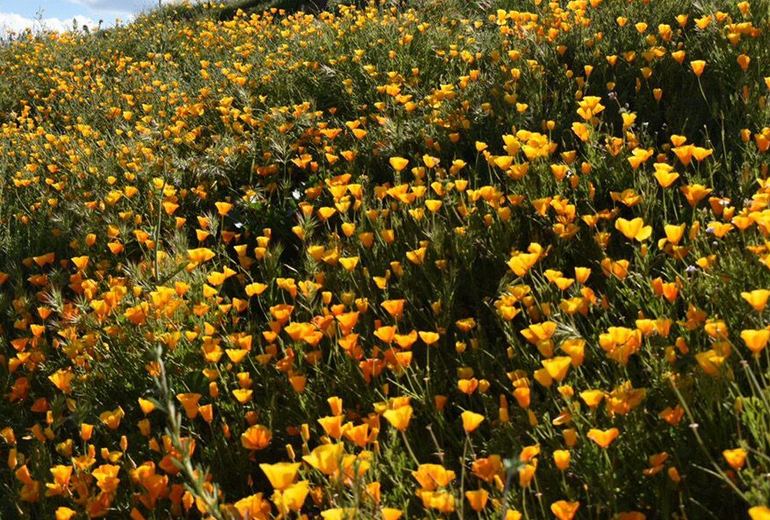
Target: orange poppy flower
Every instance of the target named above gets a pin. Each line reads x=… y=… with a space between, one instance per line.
x=564 y=510
x=399 y=418
x=471 y=421
x=603 y=438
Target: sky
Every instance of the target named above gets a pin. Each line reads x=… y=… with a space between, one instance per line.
x=17 y=15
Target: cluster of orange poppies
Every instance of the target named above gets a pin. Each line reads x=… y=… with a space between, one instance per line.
x=388 y=262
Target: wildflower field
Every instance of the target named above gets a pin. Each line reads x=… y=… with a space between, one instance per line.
x=411 y=259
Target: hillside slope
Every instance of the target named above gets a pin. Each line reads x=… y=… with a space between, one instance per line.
x=417 y=259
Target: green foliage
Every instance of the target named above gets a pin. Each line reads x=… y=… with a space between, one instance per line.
x=265 y=141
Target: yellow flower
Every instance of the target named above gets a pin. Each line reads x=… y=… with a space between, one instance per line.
x=340 y=513
x=200 y=255
x=564 y=510
x=603 y=438
x=64 y=513
x=429 y=338
x=561 y=459
x=756 y=298
x=399 y=418
x=282 y=474
x=557 y=367
x=189 y=402
x=694 y=193
x=592 y=398
x=398 y=163
x=433 y=476
x=755 y=340
x=394 y=307
x=112 y=418
x=62 y=379
x=326 y=458
x=106 y=477
x=521 y=263
x=256 y=437
x=471 y=420
x=223 y=208
x=291 y=498
x=349 y=263
x=581 y=130
x=633 y=229
x=477 y=499
x=389 y=513
x=736 y=458
x=698 y=66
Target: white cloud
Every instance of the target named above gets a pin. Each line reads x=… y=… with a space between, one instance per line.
x=112 y=5
x=15 y=23
x=119 y=7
